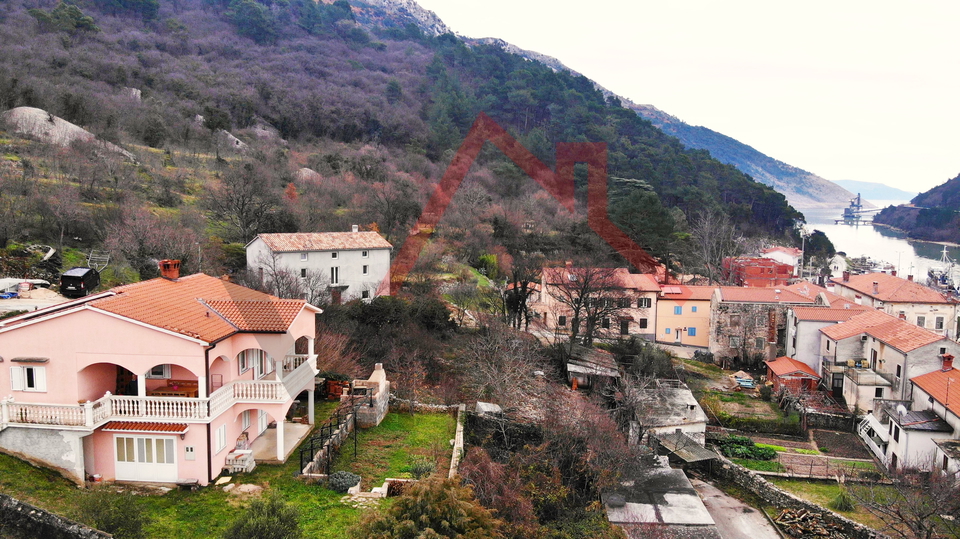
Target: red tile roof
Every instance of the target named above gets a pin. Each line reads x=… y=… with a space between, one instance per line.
x=810 y=290
x=144 y=426
x=761 y=295
x=891 y=330
x=324 y=241
x=892 y=289
x=825 y=314
x=684 y=292
x=616 y=277
x=201 y=306
x=792 y=251
x=937 y=383
x=787 y=366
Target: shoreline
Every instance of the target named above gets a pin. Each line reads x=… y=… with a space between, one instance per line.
x=908 y=238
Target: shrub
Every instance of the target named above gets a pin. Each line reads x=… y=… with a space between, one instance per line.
x=342 y=481
x=766 y=392
x=843 y=501
x=271 y=518
x=742 y=447
x=703 y=357
x=421 y=467
x=117 y=513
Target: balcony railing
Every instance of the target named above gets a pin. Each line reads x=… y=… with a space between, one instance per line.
x=121 y=407
x=869 y=377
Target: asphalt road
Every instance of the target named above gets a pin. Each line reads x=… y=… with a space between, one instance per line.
x=734 y=518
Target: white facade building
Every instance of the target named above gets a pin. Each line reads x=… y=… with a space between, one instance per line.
x=355 y=265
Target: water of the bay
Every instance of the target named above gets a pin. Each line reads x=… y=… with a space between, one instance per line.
x=910 y=257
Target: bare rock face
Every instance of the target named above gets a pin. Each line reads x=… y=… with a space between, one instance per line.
x=400 y=12
x=307 y=174
x=45 y=127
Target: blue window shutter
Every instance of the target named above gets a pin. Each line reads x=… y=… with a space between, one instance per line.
x=691 y=332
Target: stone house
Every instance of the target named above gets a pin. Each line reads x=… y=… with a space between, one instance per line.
x=791 y=375
x=749 y=324
x=902 y=298
x=667 y=408
x=757 y=272
x=354 y=265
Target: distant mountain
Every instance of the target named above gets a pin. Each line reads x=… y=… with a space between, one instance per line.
x=933 y=215
x=875 y=191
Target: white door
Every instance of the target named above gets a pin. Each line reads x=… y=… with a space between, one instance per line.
x=146 y=458
x=261 y=421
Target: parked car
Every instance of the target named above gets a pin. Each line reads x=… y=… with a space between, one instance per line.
x=78 y=282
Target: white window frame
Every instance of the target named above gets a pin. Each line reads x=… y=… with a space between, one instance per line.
x=304 y=256
x=20 y=380
x=245 y=420
x=303 y=273
x=364 y=254
x=365 y=269
x=364 y=294
x=162 y=374
x=220 y=441
x=335 y=255
x=335 y=275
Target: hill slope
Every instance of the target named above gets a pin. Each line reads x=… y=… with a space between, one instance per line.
x=875 y=191
x=933 y=216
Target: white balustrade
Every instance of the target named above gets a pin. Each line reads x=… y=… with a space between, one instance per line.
x=46 y=414
x=124 y=407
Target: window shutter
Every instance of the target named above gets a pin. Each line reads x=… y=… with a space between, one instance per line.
x=40 y=378
x=16 y=378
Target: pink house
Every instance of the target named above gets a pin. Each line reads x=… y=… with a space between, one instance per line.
x=164 y=380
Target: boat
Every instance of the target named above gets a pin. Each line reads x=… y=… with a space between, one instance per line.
x=943 y=275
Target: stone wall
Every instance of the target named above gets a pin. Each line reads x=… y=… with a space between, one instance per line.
x=781 y=499
x=827 y=421
x=61 y=450
x=19 y=520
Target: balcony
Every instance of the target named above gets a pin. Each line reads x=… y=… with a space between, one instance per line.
x=296 y=374
x=869 y=377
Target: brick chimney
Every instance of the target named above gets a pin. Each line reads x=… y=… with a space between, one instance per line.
x=876 y=287
x=356 y=228
x=846 y=276
x=170 y=269
x=947 y=362
x=893 y=272
x=910 y=277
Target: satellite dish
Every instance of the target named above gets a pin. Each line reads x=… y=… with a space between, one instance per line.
x=901 y=409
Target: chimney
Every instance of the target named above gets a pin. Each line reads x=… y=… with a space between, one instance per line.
x=893 y=272
x=568 y=264
x=170 y=269
x=910 y=278
x=876 y=287
x=846 y=276
x=356 y=228
x=947 y=362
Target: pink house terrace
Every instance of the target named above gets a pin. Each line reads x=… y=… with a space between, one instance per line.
x=165 y=380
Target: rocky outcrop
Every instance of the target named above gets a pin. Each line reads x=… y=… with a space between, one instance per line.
x=45 y=127
x=398 y=13
x=19 y=520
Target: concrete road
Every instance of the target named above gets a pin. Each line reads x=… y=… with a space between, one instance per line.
x=734 y=518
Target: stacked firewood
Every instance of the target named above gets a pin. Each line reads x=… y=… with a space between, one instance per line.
x=804 y=524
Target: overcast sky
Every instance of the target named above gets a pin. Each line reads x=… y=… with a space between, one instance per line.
x=849 y=90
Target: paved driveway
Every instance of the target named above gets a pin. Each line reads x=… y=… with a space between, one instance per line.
x=734 y=518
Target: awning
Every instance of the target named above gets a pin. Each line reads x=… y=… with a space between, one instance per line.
x=144 y=426
x=684 y=447
x=592 y=369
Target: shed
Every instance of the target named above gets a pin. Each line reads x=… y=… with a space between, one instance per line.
x=792 y=375
x=589 y=366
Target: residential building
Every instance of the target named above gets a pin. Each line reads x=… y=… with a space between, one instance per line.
x=683 y=315
x=903 y=298
x=353 y=265
x=871 y=355
x=627 y=301
x=790 y=256
x=667 y=408
x=168 y=379
x=803 y=331
x=750 y=323
x=788 y=374
x=757 y=272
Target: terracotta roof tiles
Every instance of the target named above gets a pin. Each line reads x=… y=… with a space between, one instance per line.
x=892 y=289
x=145 y=426
x=324 y=241
x=937 y=383
x=685 y=292
x=825 y=314
x=761 y=295
x=897 y=333
x=783 y=366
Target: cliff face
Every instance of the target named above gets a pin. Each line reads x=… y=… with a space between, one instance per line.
x=387 y=13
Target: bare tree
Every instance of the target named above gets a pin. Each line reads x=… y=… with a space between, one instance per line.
x=500 y=365
x=914 y=503
x=589 y=295
x=242 y=201
x=279 y=280
x=715 y=237
x=523 y=279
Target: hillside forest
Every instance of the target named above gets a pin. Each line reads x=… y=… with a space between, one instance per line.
x=933 y=215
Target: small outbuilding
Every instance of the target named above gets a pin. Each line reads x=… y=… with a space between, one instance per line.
x=792 y=375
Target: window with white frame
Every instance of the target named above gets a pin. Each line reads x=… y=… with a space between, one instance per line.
x=221 y=440
x=644 y=303
x=365 y=294
x=364 y=254
x=334 y=255
x=159 y=371
x=245 y=419
x=303 y=273
x=366 y=269
x=28 y=379
x=304 y=256
x=334 y=275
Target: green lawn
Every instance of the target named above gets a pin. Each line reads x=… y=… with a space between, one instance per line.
x=822 y=493
x=389 y=449
x=760 y=465
x=202 y=514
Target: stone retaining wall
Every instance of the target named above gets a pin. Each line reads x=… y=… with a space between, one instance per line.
x=826 y=421
x=780 y=498
x=19 y=520
x=457 y=442
x=403 y=405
